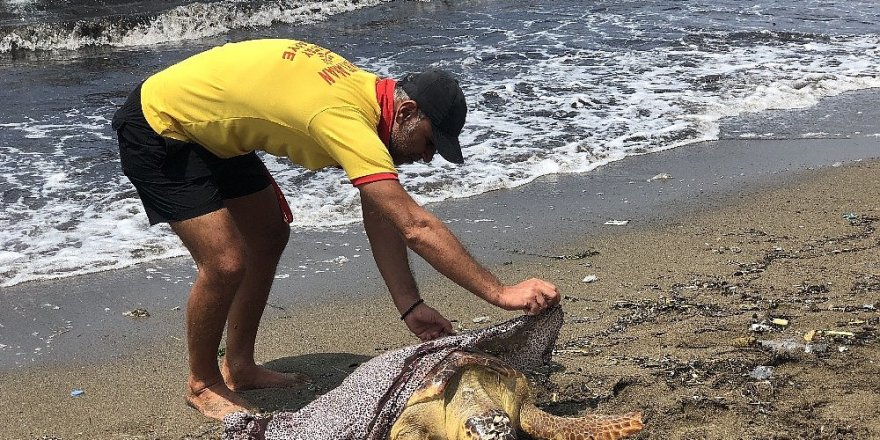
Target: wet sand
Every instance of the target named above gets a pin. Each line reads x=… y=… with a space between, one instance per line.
x=680 y=315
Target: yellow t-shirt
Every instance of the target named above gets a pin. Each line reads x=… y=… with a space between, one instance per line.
x=286 y=97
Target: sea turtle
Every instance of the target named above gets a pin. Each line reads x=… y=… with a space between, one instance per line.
x=474 y=396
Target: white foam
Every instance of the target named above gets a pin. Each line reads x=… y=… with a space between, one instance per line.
x=562 y=111
x=188 y=22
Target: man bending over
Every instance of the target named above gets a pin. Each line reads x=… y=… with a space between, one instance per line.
x=188 y=137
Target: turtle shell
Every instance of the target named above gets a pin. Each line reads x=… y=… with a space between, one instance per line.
x=436 y=381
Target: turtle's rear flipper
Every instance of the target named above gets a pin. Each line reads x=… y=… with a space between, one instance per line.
x=545 y=426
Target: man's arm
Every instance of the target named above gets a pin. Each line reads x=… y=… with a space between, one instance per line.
x=426 y=235
x=389 y=251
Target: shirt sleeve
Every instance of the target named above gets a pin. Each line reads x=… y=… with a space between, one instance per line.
x=347 y=136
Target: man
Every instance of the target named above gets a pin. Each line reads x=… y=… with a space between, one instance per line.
x=188 y=137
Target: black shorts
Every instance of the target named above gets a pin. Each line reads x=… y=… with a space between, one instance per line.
x=179 y=180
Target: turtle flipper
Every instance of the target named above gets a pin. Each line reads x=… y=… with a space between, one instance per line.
x=545 y=426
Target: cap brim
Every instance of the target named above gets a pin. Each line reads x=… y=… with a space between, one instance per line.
x=448 y=146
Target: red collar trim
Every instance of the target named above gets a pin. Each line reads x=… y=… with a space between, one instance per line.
x=385 y=96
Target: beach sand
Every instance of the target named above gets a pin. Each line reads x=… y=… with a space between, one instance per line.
x=666 y=328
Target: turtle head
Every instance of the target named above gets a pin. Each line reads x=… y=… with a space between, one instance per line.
x=492 y=425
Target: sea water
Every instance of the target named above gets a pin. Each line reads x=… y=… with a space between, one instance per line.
x=552 y=86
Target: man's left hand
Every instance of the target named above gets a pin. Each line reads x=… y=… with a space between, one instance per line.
x=427 y=323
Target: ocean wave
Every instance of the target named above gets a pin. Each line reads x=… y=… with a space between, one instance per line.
x=185 y=22
x=546 y=96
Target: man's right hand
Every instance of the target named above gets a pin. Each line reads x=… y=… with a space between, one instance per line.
x=424 y=233
x=532 y=296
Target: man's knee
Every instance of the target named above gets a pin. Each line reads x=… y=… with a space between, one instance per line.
x=228 y=267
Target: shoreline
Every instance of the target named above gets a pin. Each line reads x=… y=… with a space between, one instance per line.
x=661 y=305
x=60 y=321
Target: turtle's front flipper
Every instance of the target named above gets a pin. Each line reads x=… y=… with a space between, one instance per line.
x=544 y=426
x=472 y=414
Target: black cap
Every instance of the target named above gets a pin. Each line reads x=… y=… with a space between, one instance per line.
x=438 y=95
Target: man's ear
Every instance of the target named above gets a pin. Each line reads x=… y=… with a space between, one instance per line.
x=407 y=109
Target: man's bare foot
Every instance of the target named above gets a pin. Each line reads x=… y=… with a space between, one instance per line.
x=253 y=377
x=216 y=401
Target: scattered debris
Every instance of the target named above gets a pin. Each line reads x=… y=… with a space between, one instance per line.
x=580 y=351
x=340 y=260
x=694 y=372
x=662 y=177
x=581 y=319
x=779 y=322
x=761 y=372
x=481 y=320
x=773 y=324
x=852 y=217
x=577 y=256
x=791 y=347
x=275 y=306
x=590 y=279
x=833 y=334
x=808 y=336
x=137 y=313
x=867 y=284
x=720 y=285
x=744 y=341
x=812 y=288
x=760 y=327
x=617 y=222
x=77 y=392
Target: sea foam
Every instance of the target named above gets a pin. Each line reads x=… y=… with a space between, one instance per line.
x=562 y=91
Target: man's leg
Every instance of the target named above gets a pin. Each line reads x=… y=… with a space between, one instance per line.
x=219 y=252
x=265 y=234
